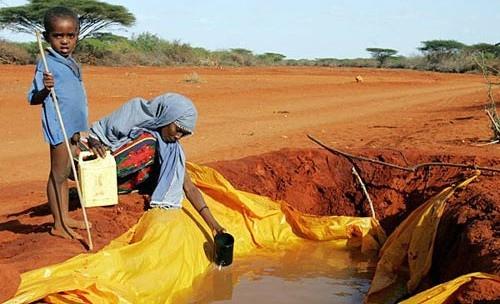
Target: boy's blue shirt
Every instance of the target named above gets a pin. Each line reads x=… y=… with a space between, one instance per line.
x=70 y=94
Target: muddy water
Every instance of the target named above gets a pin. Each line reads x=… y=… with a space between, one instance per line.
x=312 y=272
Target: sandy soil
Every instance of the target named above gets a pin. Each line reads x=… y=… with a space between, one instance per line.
x=401 y=116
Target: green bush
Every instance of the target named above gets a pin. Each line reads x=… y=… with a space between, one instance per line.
x=92 y=51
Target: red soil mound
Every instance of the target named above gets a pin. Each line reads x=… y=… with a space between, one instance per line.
x=478 y=291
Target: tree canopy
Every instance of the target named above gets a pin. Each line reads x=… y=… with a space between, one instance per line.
x=441 y=46
x=437 y=50
x=241 y=51
x=487 y=49
x=271 y=57
x=93 y=15
x=381 y=55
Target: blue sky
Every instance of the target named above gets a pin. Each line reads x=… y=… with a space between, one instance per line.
x=310 y=29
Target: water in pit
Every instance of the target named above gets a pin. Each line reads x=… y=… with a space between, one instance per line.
x=314 y=272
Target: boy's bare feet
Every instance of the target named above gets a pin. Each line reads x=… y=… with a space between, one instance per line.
x=65 y=233
x=72 y=223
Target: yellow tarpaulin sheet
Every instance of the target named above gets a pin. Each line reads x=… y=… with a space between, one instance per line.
x=443 y=292
x=167 y=249
x=406 y=256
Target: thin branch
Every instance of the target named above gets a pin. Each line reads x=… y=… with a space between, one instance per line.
x=493 y=122
x=493 y=69
x=488 y=143
x=408 y=169
x=94 y=28
x=350 y=156
x=26 y=26
x=491 y=107
x=355 y=172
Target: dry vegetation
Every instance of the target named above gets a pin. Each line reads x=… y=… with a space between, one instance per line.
x=149 y=50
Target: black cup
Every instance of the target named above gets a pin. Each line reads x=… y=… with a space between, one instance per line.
x=223 y=243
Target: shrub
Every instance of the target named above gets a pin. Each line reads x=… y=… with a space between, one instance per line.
x=270 y=58
x=150 y=50
x=12 y=53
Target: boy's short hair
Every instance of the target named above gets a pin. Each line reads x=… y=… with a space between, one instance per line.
x=59 y=12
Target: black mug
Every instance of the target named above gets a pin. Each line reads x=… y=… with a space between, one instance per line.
x=223 y=244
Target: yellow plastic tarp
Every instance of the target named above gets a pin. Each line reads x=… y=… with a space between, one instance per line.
x=406 y=256
x=167 y=249
x=443 y=292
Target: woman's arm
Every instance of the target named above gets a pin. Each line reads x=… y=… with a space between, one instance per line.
x=194 y=196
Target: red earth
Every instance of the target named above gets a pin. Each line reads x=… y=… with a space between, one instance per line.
x=253 y=126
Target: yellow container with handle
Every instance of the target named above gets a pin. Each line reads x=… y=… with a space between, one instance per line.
x=98 y=181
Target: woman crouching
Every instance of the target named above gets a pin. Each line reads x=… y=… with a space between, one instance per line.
x=144 y=138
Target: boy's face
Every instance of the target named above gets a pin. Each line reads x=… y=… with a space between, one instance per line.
x=63 y=36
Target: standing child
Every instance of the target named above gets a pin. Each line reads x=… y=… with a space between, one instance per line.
x=62 y=27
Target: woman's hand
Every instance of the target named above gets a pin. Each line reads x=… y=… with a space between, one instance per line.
x=97 y=147
x=218 y=229
x=147 y=199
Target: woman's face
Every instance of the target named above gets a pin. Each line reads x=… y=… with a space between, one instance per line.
x=171 y=133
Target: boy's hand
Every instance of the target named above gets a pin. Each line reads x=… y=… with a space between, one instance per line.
x=97 y=147
x=48 y=80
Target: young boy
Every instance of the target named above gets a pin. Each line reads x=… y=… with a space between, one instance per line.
x=61 y=32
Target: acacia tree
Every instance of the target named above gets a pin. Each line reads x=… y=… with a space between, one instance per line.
x=271 y=57
x=94 y=15
x=381 y=55
x=489 y=50
x=437 y=50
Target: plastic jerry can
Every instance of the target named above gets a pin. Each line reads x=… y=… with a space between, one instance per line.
x=98 y=181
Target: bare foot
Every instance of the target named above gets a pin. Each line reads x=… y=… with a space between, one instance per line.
x=65 y=233
x=72 y=223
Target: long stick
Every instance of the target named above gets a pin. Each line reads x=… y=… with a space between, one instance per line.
x=408 y=169
x=59 y=116
x=355 y=172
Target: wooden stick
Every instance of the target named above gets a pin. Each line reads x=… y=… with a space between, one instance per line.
x=494 y=123
x=408 y=169
x=355 y=172
x=487 y=144
x=350 y=156
x=66 y=141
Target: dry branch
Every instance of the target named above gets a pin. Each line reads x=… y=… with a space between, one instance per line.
x=363 y=187
x=490 y=108
x=408 y=169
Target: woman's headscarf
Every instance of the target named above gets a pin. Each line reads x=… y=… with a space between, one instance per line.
x=139 y=115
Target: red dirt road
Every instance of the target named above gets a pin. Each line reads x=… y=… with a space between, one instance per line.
x=243 y=112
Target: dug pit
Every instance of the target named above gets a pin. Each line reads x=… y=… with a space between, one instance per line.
x=318 y=182
x=314 y=181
